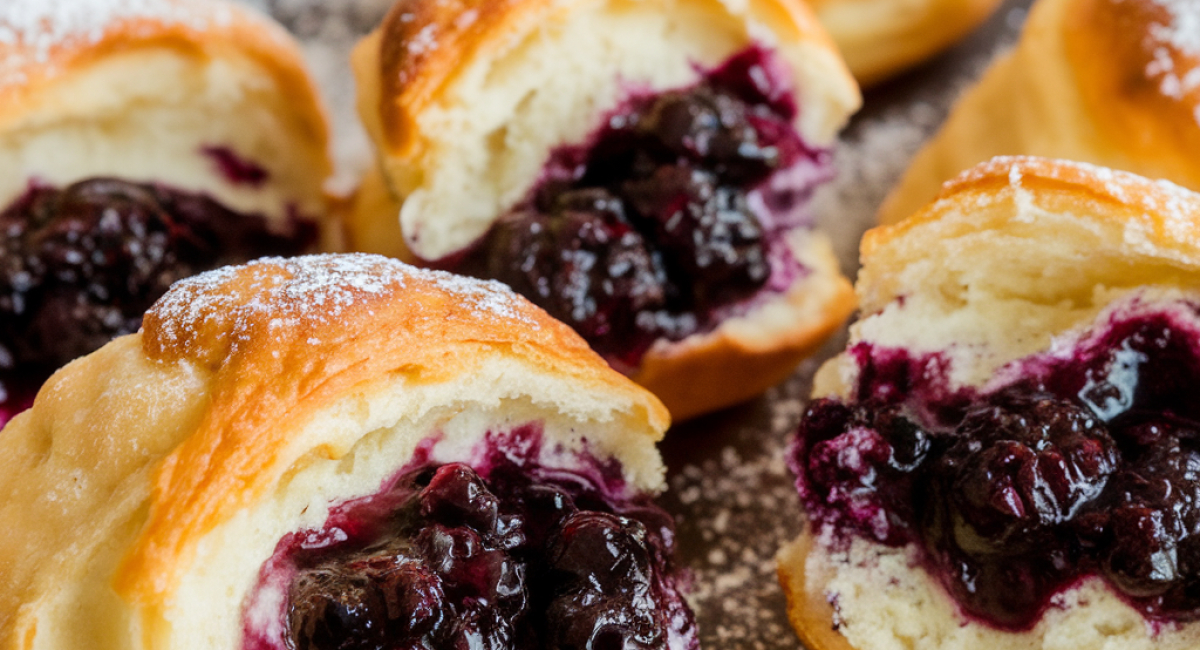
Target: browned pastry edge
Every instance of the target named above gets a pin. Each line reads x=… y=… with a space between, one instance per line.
x=1159 y=209
x=424 y=45
x=810 y=613
x=913 y=35
x=708 y=372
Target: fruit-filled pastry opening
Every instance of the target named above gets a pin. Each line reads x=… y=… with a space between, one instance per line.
x=1077 y=462
x=503 y=551
x=673 y=216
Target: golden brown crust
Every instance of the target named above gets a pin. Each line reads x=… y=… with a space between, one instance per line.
x=1138 y=82
x=299 y=355
x=423 y=45
x=372 y=219
x=1110 y=82
x=1164 y=215
x=32 y=62
x=809 y=612
x=705 y=373
x=880 y=38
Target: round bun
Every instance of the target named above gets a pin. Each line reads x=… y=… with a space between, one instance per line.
x=152 y=479
x=466 y=101
x=1016 y=257
x=1110 y=82
x=163 y=91
x=881 y=38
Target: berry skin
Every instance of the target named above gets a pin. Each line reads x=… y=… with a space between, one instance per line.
x=445 y=571
x=81 y=264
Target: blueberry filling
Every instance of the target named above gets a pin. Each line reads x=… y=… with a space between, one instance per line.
x=671 y=213
x=447 y=558
x=79 y=265
x=1087 y=464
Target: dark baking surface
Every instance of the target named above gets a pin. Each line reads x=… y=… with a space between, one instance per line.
x=729 y=487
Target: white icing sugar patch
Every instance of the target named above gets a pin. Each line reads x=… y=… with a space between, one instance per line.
x=1179 y=34
x=1183 y=32
x=37 y=27
x=319 y=290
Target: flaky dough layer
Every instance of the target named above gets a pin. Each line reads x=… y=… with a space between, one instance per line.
x=150 y=481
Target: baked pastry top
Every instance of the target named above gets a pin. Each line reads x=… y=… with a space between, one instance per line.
x=151 y=491
x=1005 y=455
x=1111 y=82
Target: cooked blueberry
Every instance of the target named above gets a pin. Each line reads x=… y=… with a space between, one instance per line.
x=649 y=230
x=706 y=232
x=481 y=629
x=456 y=495
x=603 y=552
x=446 y=560
x=713 y=129
x=587 y=620
x=332 y=610
x=1025 y=464
x=592 y=270
x=80 y=265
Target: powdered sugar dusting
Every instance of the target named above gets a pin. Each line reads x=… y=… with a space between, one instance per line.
x=1177 y=209
x=311 y=289
x=1183 y=30
x=35 y=28
x=1178 y=35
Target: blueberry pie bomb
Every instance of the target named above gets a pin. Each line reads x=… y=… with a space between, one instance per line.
x=1007 y=454
x=640 y=170
x=1110 y=82
x=141 y=141
x=339 y=452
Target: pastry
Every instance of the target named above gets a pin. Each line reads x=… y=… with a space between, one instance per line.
x=1110 y=82
x=336 y=452
x=140 y=142
x=639 y=170
x=1007 y=455
x=881 y=38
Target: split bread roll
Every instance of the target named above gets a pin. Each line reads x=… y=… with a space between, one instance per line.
x=479 y=109
x=880 y=38
x=1038 y=315
x=140 y=143
x=1110 y=82
x=151 y=492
